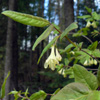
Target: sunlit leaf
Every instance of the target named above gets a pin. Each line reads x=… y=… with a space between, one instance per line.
x=68 y=29
x=93 y=46
x=95 y=16
x=94 y=95
x=96 y=53
x=84 y=16
x=26 y=18
x=68 y=48
x=83 y=76
x=43 y=36
x=41 y=95
x=73 y=91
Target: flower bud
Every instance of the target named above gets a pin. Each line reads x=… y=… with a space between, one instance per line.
x=85 y=63
x=58 y=56
x=94 y=24
x=95 y=62
x=91 y=61
x=88 y=24
x=60 y=72
x=72 y=52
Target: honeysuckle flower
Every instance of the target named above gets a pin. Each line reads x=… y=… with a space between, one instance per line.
x=85 y=63
x=52 y=60
x=58 y=56
x=62 y=71
x=72 y=52
x=91 y=61
x=94 y=24
x=88 y=24
x=95 y=62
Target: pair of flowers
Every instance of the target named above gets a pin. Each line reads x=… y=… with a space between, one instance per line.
x=93 y=24
x=53 y=59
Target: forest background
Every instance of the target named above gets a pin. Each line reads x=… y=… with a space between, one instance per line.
x=16 y=41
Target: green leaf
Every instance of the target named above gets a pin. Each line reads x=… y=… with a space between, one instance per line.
x=66 y=61
x=73 y=91
x=43 y=36
x=26 y=92
x=26 y=18
x=41 y=95
x=68 y=29
x=69 y=72
x=3 y=87
x=94 y=95
x=47 y=47
x=68 y=48
x=59 y=67
x=96 y=53
x=83 y=76
x=98 y=75
x=77 y=34
x=84 y=16
x=93 y=46
x=90 y=19
x=88 y=9
x=95 y=16
x=13 y=92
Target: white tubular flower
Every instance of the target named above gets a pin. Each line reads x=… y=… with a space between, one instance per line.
x=91 y=61
x=63 y=73
x=72 y=52
x=88 y=24
x=94 y=24
x=85 y=63
x=52 y=60
x=58 y=56
x=95 y=62
x=61 y=70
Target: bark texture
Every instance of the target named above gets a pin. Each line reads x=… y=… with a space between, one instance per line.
x=11 y=61
x=69 y=12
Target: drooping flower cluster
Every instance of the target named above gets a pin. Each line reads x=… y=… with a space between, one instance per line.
x=53 y=59
x=90 y=62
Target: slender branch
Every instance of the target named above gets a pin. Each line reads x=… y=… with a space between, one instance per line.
x=66 y=37
x=23 y=97
x=91 y=69
x=50 y=94
x=91 y=56
x=77 y=46
x=87 y=38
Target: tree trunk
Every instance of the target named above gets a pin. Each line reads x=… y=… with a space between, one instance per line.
x=49 y=10
x=69 y=12
x=11 y=60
